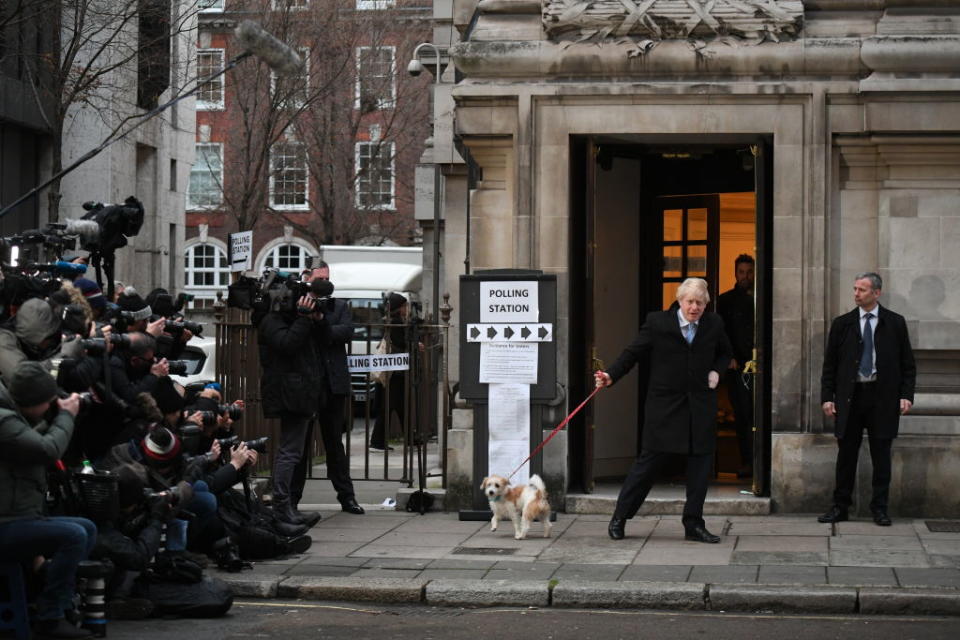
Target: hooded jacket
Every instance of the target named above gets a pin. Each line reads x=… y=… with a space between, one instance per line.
x=25 y=453
x=34 y=322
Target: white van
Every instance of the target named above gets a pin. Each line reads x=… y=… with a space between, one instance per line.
x=363 y=276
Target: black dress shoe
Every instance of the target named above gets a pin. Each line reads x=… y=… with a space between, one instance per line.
x=882 y=519
x=836 y=514
x=350 y=506
x=615 y=529
x=700 y=534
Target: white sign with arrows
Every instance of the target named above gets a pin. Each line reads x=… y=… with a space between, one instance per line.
x=510 y=332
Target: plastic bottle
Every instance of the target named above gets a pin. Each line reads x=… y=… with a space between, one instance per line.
x=87 y=468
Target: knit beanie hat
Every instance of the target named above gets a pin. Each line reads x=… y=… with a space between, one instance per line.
x=167 y=396
x=160 y=445
x=395 y=301
x=131 y=302
x=32 y=385
x=92 y=292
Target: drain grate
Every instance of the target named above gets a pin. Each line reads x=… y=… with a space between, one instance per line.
x=484 y=551
x=943 y=526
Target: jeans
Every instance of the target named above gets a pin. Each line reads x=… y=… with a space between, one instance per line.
x=65 y=541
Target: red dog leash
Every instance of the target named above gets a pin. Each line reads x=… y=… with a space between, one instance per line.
x=555 y=430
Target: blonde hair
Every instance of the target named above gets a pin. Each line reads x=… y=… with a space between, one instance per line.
x=696 y=287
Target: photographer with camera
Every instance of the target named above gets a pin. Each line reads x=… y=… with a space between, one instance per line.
x=177 y=331
x=135 y=315
x=29 y=443
x=290 y=385
x=333 y=330
x=34 y=334
x=135 y=369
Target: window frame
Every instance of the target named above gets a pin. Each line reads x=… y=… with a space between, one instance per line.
x=204 y=292
x=192 y=206
x=206 y=105
x=306 y=179
x=304 y=53
x=375 y=5
x=382 y=104
x=215 y=9
x=392 y=205
x=273 y=253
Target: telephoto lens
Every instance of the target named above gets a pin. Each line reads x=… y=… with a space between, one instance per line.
x=177 y=367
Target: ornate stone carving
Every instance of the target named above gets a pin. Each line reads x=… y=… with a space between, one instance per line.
x=650 y=21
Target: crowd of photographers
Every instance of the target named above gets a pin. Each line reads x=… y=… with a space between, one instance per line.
x=105 y=458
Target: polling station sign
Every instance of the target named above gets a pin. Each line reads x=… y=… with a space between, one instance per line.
x=379 y=362
x=506 y=301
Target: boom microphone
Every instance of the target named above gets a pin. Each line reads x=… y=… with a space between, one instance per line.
x=87 y=230
x=279 y=56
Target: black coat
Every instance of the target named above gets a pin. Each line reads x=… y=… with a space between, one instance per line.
x=332 y=334
x=896 y=370
x=291 y=379
x=681 y=409
x=736 y=309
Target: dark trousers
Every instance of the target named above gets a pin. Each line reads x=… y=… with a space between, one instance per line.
x=647 y=468
x=862 y=408
x=65 y=541
x=381 y=427
x=293 y=436
x=330 y=418
x=741 y=397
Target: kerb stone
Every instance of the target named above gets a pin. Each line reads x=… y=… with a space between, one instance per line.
x=353 y=589
x=251 y=587
x=744 y=597
x=652 y=595
x=488 y=593
x=944 y=602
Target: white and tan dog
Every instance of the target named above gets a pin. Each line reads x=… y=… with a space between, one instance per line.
x=521 y=504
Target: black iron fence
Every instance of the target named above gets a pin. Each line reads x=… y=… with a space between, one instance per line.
x=411 y=410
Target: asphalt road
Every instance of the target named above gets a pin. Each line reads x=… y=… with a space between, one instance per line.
x=318 y=620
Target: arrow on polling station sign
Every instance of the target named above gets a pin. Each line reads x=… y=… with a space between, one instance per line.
x=510 y=332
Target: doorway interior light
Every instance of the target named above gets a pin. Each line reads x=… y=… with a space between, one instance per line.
x=675 y=156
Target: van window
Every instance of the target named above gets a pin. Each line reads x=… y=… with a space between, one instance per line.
x=367 y=311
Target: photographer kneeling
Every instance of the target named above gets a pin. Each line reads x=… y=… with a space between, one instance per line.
x=28 y=444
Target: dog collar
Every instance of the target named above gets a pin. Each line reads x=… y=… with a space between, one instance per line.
x=495 y=499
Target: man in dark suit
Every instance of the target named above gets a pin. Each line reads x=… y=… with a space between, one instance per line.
x=688 y=349
x=737 y=309
x=867 y=383
x=331 y=334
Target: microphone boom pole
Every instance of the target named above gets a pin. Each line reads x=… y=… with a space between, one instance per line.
x=274 y=52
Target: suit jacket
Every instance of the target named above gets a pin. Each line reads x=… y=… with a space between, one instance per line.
x=736 y=309
x=896 y=370
x=681 y=410
x=331 y=337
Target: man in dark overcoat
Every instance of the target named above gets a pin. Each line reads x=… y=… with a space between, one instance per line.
x=868 y=380
x=688 y=349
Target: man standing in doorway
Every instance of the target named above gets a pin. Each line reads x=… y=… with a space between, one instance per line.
x=688 y=349
x=867 y=383
x=736 y=307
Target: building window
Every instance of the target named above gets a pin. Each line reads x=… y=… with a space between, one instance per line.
x=291 y=92
x=206 y=177
x=372 y=5
x=291 y=4
x=375 y=182
x=210 y=94
x=207 y=272
x=288 y=175
x=210 y=5
x=375 y=78
x=287 y=257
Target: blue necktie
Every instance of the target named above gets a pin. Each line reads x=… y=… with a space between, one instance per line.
x=691 y=330
x=866 y=359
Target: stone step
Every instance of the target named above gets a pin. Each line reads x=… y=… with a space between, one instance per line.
x=669 y=500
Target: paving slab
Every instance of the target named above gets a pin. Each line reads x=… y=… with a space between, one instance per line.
x=869 y=528
x=635 y=528
x=899 y=543
x=647 y=595
x=943 y=561
x=913 y=577
x=781 y=543
x=453 y=574
x=488 y=593
x=454 y=563
x=860 y=576
x=672 y=526
x=942 y=547
x=334 y=562
x=329 y=534
x=909 y=601
x=779 y=528
x=656 y=573
x=764 y=597
x=333 y=549
x=420 y=539
x=780 y=558
x=685 y=553
x=533 y=571
x=364 y=572
x=319 y=570
x=400 y=551
x=396 y=563
x=716 y=574
x=795 y=575
x=591 y=572
x=878 y=558
x=433 y=525
x=920 y=526
x=353 y=589
x=583 y=555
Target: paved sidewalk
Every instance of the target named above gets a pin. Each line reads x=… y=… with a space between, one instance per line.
x=775 y=563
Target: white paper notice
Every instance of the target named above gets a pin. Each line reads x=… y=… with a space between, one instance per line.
x=508 y=362
x=509 y=301
x=505 y=455
x=509 y=412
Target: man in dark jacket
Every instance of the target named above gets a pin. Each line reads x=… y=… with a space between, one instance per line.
x=332 y=332
x=688 y=349
x=28 y=445
x=868 y=380
x=290 y=387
